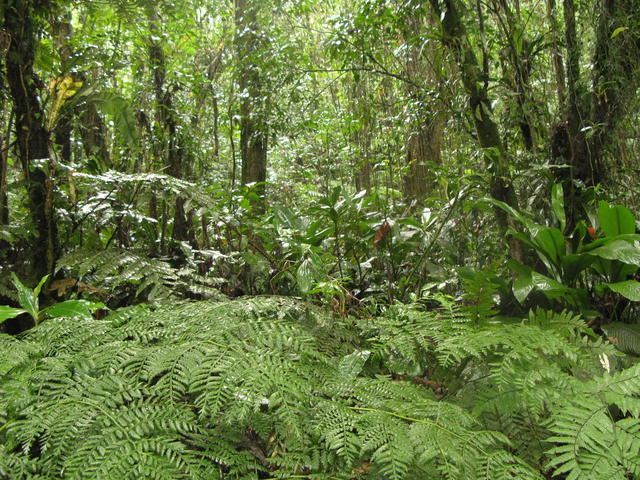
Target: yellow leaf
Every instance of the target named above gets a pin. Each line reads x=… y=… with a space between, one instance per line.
x=617 y=32
x=61 y=89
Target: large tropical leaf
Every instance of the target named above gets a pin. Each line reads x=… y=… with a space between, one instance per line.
x=615 y=220
x=9 y=312
x=620 y=250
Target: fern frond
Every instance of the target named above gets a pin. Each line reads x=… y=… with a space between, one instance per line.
x=271 y=387
x=114 y=268
x=590 y=441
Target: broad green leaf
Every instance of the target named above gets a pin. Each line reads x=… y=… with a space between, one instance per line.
x=305 y=275
x=529 y=280
x=123 y=116
x=351 y=365
x=629 y=289
x=288 y=218
x=550 y=287
x=615 y=220
x=572 y=265
x=630 y=237
x=43 y=280
x=523 y=238
x=9 y=312
x=624 y=336
x=73 y=308
x=410 y=221
x=510 y=210
x=523 y=283
x=557 y=204
x=551 y=243
x=533 y=227
x=618 y=250
x=27 y=298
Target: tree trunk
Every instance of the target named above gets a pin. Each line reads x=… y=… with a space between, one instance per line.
x=615 y=75
x=556 y=55
x=213 y=72
x=170 y=147
x=61 y=30
x=91 y=125
x=424 y=136
x=253 y=128
x=518 y=69
x=4 y=166
x=5 y=138
x=32 y=137
x=591 y=118
x=475 y=84
x=93 y=132
x=360 y=106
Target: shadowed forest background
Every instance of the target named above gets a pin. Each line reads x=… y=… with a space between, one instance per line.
x=372 y=239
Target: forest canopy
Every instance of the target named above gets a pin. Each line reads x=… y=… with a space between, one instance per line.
x=271 y=239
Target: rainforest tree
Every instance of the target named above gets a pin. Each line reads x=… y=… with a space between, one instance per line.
x=371 y=239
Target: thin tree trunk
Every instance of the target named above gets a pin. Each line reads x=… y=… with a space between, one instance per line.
x=556 y=55
x=360 y=106
x=4 y=164
x=424 y=136
x=216 y=129
x=5 y=138
x=520 y=64
x=166 y=118
x=93 y=132
x=253 y=128
x=474 y=81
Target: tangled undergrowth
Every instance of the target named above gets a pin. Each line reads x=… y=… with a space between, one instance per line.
x=271 y=387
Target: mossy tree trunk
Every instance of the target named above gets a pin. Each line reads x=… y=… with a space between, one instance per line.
x=475 y=81
x=253 y=105
x=31 y=134
x=168 y=144
x=591 y=117
x=5 y=39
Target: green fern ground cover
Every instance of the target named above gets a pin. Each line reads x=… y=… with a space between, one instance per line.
x=269 y=388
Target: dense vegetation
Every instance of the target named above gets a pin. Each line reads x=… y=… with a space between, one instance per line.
x=372 y=239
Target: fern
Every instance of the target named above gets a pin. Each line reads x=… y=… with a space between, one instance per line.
x=258 y=387
x=513 y=375
x=273 y=388
x=136 y=275
x=597 y=433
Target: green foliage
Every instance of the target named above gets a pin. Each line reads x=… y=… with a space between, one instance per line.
x=355 y=104
x=597 y=434
x=606 y=254
x=273 y=388
x=27 y=298
x=121 y=274
x=624 y=336
x=29 y=301
x=522 y=378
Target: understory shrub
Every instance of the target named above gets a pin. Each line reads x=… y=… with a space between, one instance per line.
x=270 y=387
